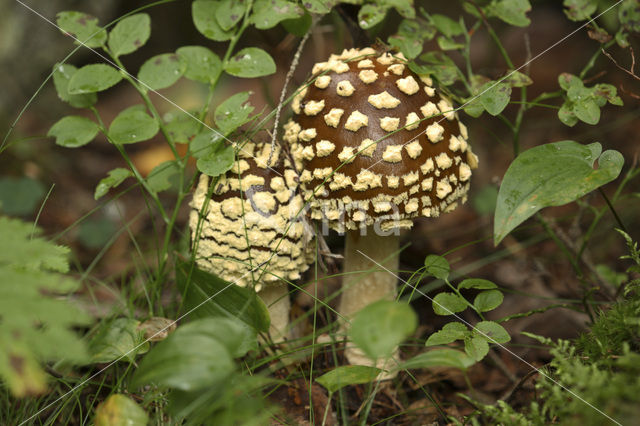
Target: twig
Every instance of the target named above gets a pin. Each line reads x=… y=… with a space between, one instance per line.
x=629 y=71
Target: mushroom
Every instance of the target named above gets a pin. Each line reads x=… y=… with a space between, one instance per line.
x=375 y=147
x=250 y=233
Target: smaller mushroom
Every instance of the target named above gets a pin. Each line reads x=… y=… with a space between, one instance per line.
x=251 y=232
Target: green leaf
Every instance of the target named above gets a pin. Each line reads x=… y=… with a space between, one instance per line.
x=202 y=64
x=446 y=25
x=161 y=71
x=62 y=74
x=190 y=358
x=93 y=78
x=348 y=375
x=160 y=177
x=113 y=179
x=477 y=283
x=476 y=347
x=629 y=15
x=551 y=175
x=379 y=328
x=95 y=233
x=251 y=62
x=587 y=110
x=439 y=358
x=133 y=125
x=229 y=13
x=566 y=114
x=182 y=127
x=445 y=43
x=83 y=27
x=298 y=26
x=409 y=47
x=437 y=266
x=580 y=10
x=488 y=300
x=268 y=13
x=119 y=409
x=608 y=92
x=494 y=97
x=19 y=196
x=117 y=339
x=403 y=7
x=451 y=332
x=215 y=297
x=129 y=34
x=204 y=17
x=439 y=65
x=73 y=131
x=492 y=331
x=448 y=304
x=236 y=336
x=233 y=113
x=567 y=81
x=371 y=15
x=512 y=12
x=320 y=7
x=473 y=107
x=517 y=79
x=214 y=156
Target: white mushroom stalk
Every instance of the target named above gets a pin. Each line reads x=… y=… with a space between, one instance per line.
x=376 y=147
x=250 y=233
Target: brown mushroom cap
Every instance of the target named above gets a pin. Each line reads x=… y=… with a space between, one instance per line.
x=363 y=153
x=252 y=221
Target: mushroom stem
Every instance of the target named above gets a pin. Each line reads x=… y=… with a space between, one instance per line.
x=276 y=297
x=365 y=281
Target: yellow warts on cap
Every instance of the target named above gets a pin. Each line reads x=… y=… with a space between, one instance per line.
x=346 y=155
x=454 y=143
x=323 y=81
x=307 y=134
x=322 y=173
x=383 y=100
x=345 y=88
x=313 y=107
x=265 y=201
x=389 y=124
x=411 y=206
x=465 y=172
x=427 y=166
x=367 y=179
x=444 y=161
x=429 y=110
x=324 y=148
x=307 y=153
x=295 y=104
x=340 y=181
x=291 y=130
x=359 y=216
x=305 y=176
x=231 y=207
x=397 y=69
x=412 y=121
x=277 y=184
x=463 y=130
x=427 y=184
x=338 y=66
x=443 y=189
x=368 y=76
x=414 y=149
x=426 y=80
x=392 y=154
x=385 y=59
x=410 y=178
x=446 y=109
x=408 y=85
x=333 y=117
x=393 y=181
x=365 y=63
x=430 y=91
x=356 y=120
x=472 y=160
x=367 y=147
x=434 y=132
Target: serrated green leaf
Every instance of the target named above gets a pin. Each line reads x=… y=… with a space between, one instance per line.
x=198 y=288
x=62 y=74
x=229 y=13
x=202 y=64
x=83 y=27
x=93 y=78
x=512 y=12
x=488 y=300
x=476 y=347
x=118 y=410
x=579 y=10
x=233 y=112
x=477 y=283
x=492 y=332
x=129 y=34
x=348 y=375
x=133 y=125
x=451 y=332
x=19 y=196
x=494 y=97
x=119 y=339
x=251 y=62
x=446 y=25
x=113 y=179
x=160 y=177
x=371 y=15
x=551 y=175
x=161 y=71
x=204 y=17
x=379 y=328
x=448 y=304
x=439 y=358
x=437 y=266
x=268 y=13
x=73 y=131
